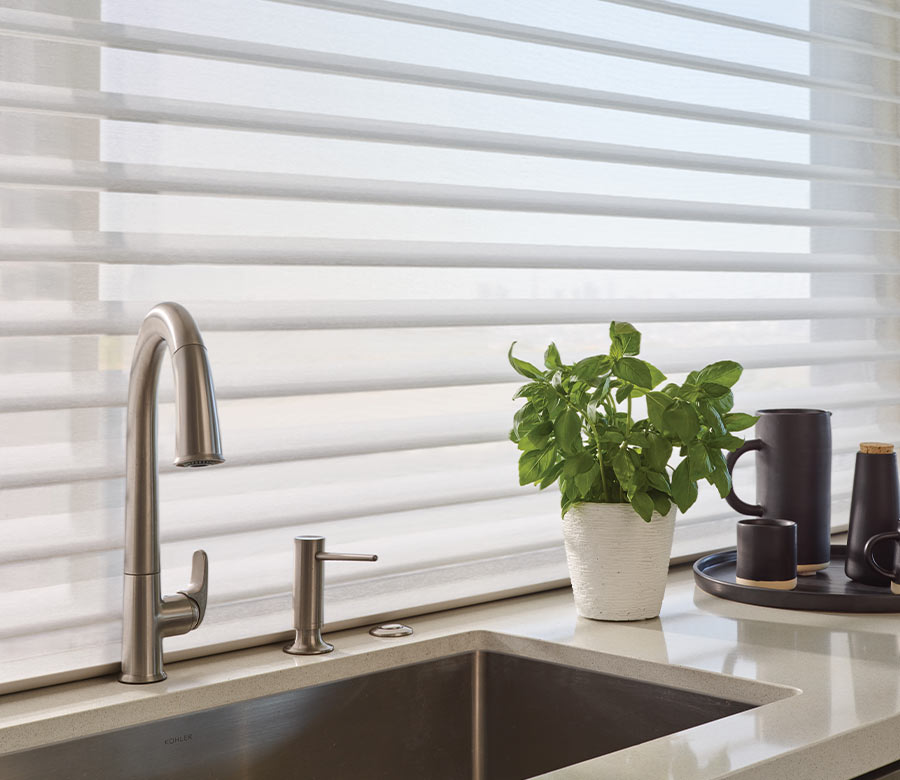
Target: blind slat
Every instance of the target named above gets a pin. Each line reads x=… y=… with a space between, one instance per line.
x=76 y=390
x=61 y=318
x=695 y=13
x=57 y=27
x=79 y=533
x=85 y=598
x=757 y=25
x=31 y=23
x=192 y=520
x=162 y=249
x=30 y=466
x=58 y=464
x=53 y=539
x=144 y=178
x=479 y=25
x=138 y=108
x=873 y=8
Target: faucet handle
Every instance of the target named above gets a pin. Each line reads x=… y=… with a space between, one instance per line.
x=327 y=556
x=199 y=587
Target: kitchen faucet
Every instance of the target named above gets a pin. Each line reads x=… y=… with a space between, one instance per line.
x=148 y=616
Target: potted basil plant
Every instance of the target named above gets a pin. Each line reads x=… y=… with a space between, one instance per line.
x=619 y=482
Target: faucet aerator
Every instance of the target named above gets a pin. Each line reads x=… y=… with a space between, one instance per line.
x=198 y=461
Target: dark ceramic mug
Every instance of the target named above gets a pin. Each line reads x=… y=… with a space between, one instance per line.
x=767 y=553
x=793 y=478
x=893 y=576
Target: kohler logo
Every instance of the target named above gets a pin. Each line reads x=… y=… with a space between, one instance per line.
x=180 y=738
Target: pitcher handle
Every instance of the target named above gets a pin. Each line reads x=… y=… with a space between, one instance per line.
x=733 y=501
x=869 y=551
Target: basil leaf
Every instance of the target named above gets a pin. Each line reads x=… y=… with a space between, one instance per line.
x=568 y=431
x=551 y=357
x=698 y=458
x=623 y=467
x=530 y=390
x=612 y=436
x=725 y=372
x=681 y=418
x=625 y=337
x=713 y=390
x=684 y=489
x=529 y=469
x=638 y=439
x=547 y=460
x=643 y=505
x=591 y=368
x=524 y=418
x=726 y=442
x=658 y=452
x=585 y=480
x=603 y=389
x=623 y=392
x=656 y=376
x=658 y=481
x=633 y=370
x=661 y=503
x=578 y=464
x=540 y=434
x=523 y=367
x=551 y=476
x=657 y=403
x=723 y=403
x=721 y=479
x=738 y=421
x=712 y=418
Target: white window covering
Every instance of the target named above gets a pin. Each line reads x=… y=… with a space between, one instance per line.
x=363 y=203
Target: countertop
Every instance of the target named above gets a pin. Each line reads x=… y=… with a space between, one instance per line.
x=828 y=684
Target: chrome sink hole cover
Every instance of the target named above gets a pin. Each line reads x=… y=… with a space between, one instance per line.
x=391 y=630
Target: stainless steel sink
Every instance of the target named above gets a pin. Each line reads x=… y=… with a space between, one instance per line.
x=480 y=715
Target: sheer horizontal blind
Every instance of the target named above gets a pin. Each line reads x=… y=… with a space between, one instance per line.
x=363 y=204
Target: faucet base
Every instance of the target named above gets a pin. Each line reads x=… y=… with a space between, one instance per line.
x=134 y=679
x=147 y=618
x=308 y=642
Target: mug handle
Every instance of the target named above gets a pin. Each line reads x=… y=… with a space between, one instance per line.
x=869 y=551
x=733 y=501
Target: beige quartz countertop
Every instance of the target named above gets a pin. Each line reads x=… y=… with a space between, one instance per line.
x=829 y=684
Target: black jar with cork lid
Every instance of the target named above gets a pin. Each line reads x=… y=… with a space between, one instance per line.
x=874 y=509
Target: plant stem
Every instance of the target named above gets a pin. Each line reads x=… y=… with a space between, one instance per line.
x=610 y=406
x=600 y=460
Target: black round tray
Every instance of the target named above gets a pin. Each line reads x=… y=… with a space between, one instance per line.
x=828 y=590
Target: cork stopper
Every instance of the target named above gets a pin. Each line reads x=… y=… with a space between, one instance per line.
x=876 y=448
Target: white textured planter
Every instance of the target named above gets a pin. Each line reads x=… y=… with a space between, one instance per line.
x=618 y=563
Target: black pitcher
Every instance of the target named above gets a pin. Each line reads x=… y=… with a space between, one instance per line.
x=793 y=478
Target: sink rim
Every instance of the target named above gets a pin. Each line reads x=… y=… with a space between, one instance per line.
x=553 y=693
x=184 y=695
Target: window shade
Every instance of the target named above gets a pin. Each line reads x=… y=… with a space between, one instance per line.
x=363 y=204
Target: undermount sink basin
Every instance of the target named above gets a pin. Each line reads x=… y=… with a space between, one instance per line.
x=480 y=714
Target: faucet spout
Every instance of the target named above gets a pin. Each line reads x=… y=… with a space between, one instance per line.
x=147 y=616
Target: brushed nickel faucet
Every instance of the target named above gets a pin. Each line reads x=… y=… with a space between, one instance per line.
x=148 y=616
x=309 y=593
